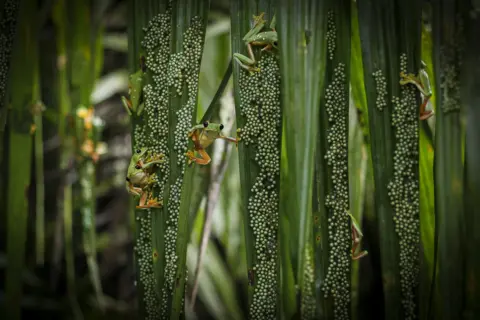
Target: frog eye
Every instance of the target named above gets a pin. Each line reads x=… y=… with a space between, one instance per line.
x=127 y=178
x=275 y=43
x=221 y=126
x=205 y=124
x=138 y=166
x=138 y=151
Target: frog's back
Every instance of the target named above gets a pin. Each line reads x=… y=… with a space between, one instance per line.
x=266 y=37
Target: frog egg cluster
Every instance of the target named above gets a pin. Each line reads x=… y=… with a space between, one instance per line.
x=331 y=34
x=381 y=88
x=451 y=56
x=184 y=67
x=260 y=105
x=140 y=136
x=176 y=71
x=403 y=190
x=143 y=252
x=7 y=32
x=154 y=134
x=308 y=306
x=157 y=44
x=337 y=281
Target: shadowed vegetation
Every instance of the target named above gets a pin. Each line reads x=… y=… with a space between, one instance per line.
x=234 y=159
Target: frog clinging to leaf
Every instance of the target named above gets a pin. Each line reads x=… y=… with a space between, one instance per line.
x=140 y=177
x=203 y=136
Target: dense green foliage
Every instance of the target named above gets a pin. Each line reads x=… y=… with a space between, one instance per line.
x=111 y=211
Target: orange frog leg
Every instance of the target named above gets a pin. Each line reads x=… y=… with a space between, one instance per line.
x=355 y=244
x=424 y=115
x=204 y=157
x=410 y=78
x=147 y=201
x=134 y=190
x=234 y=140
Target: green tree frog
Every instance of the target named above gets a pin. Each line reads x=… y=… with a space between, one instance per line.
x=422 y=82
x=136 y=82
x=202 y=136
x=140 y=178
x=357 y=236
x=268 y=39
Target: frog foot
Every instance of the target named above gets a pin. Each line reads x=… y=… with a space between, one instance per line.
x=259 y=19
x=157 y=157
x=151 y=203
x=408 y=78
x=239 y=131
x=426 y=115
x=236 y=142
x=136 y=192
x=268 y=48
x=191 y=156
x=252 y=70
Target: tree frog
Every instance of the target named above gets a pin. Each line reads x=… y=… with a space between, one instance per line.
x=140 y=177
x=202 y=136
x=136 y=82
x=357 y=236
x=422 y=82
x=268 y=39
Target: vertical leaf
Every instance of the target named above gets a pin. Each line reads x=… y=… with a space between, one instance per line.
x=448 y=43
x=82 y=49
x=37 y=109
x=24 y=58
x=39 y=182
x=427 y=193
x=188 y=35
x=357 y=168
x=356 y=75
x=147 y=299
x=471 y=100
x=66 y=151
x=8 y=22
x=360 y=160
x=333 y=230
x=390 y=34
x=374 y=52
x=172 y=45
x=258 y=113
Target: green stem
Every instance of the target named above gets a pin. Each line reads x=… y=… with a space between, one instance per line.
x=69 y=254
x=65 y=195
x=214 y=104
x=85 y=63
x=40 y=186
x=24 y=59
